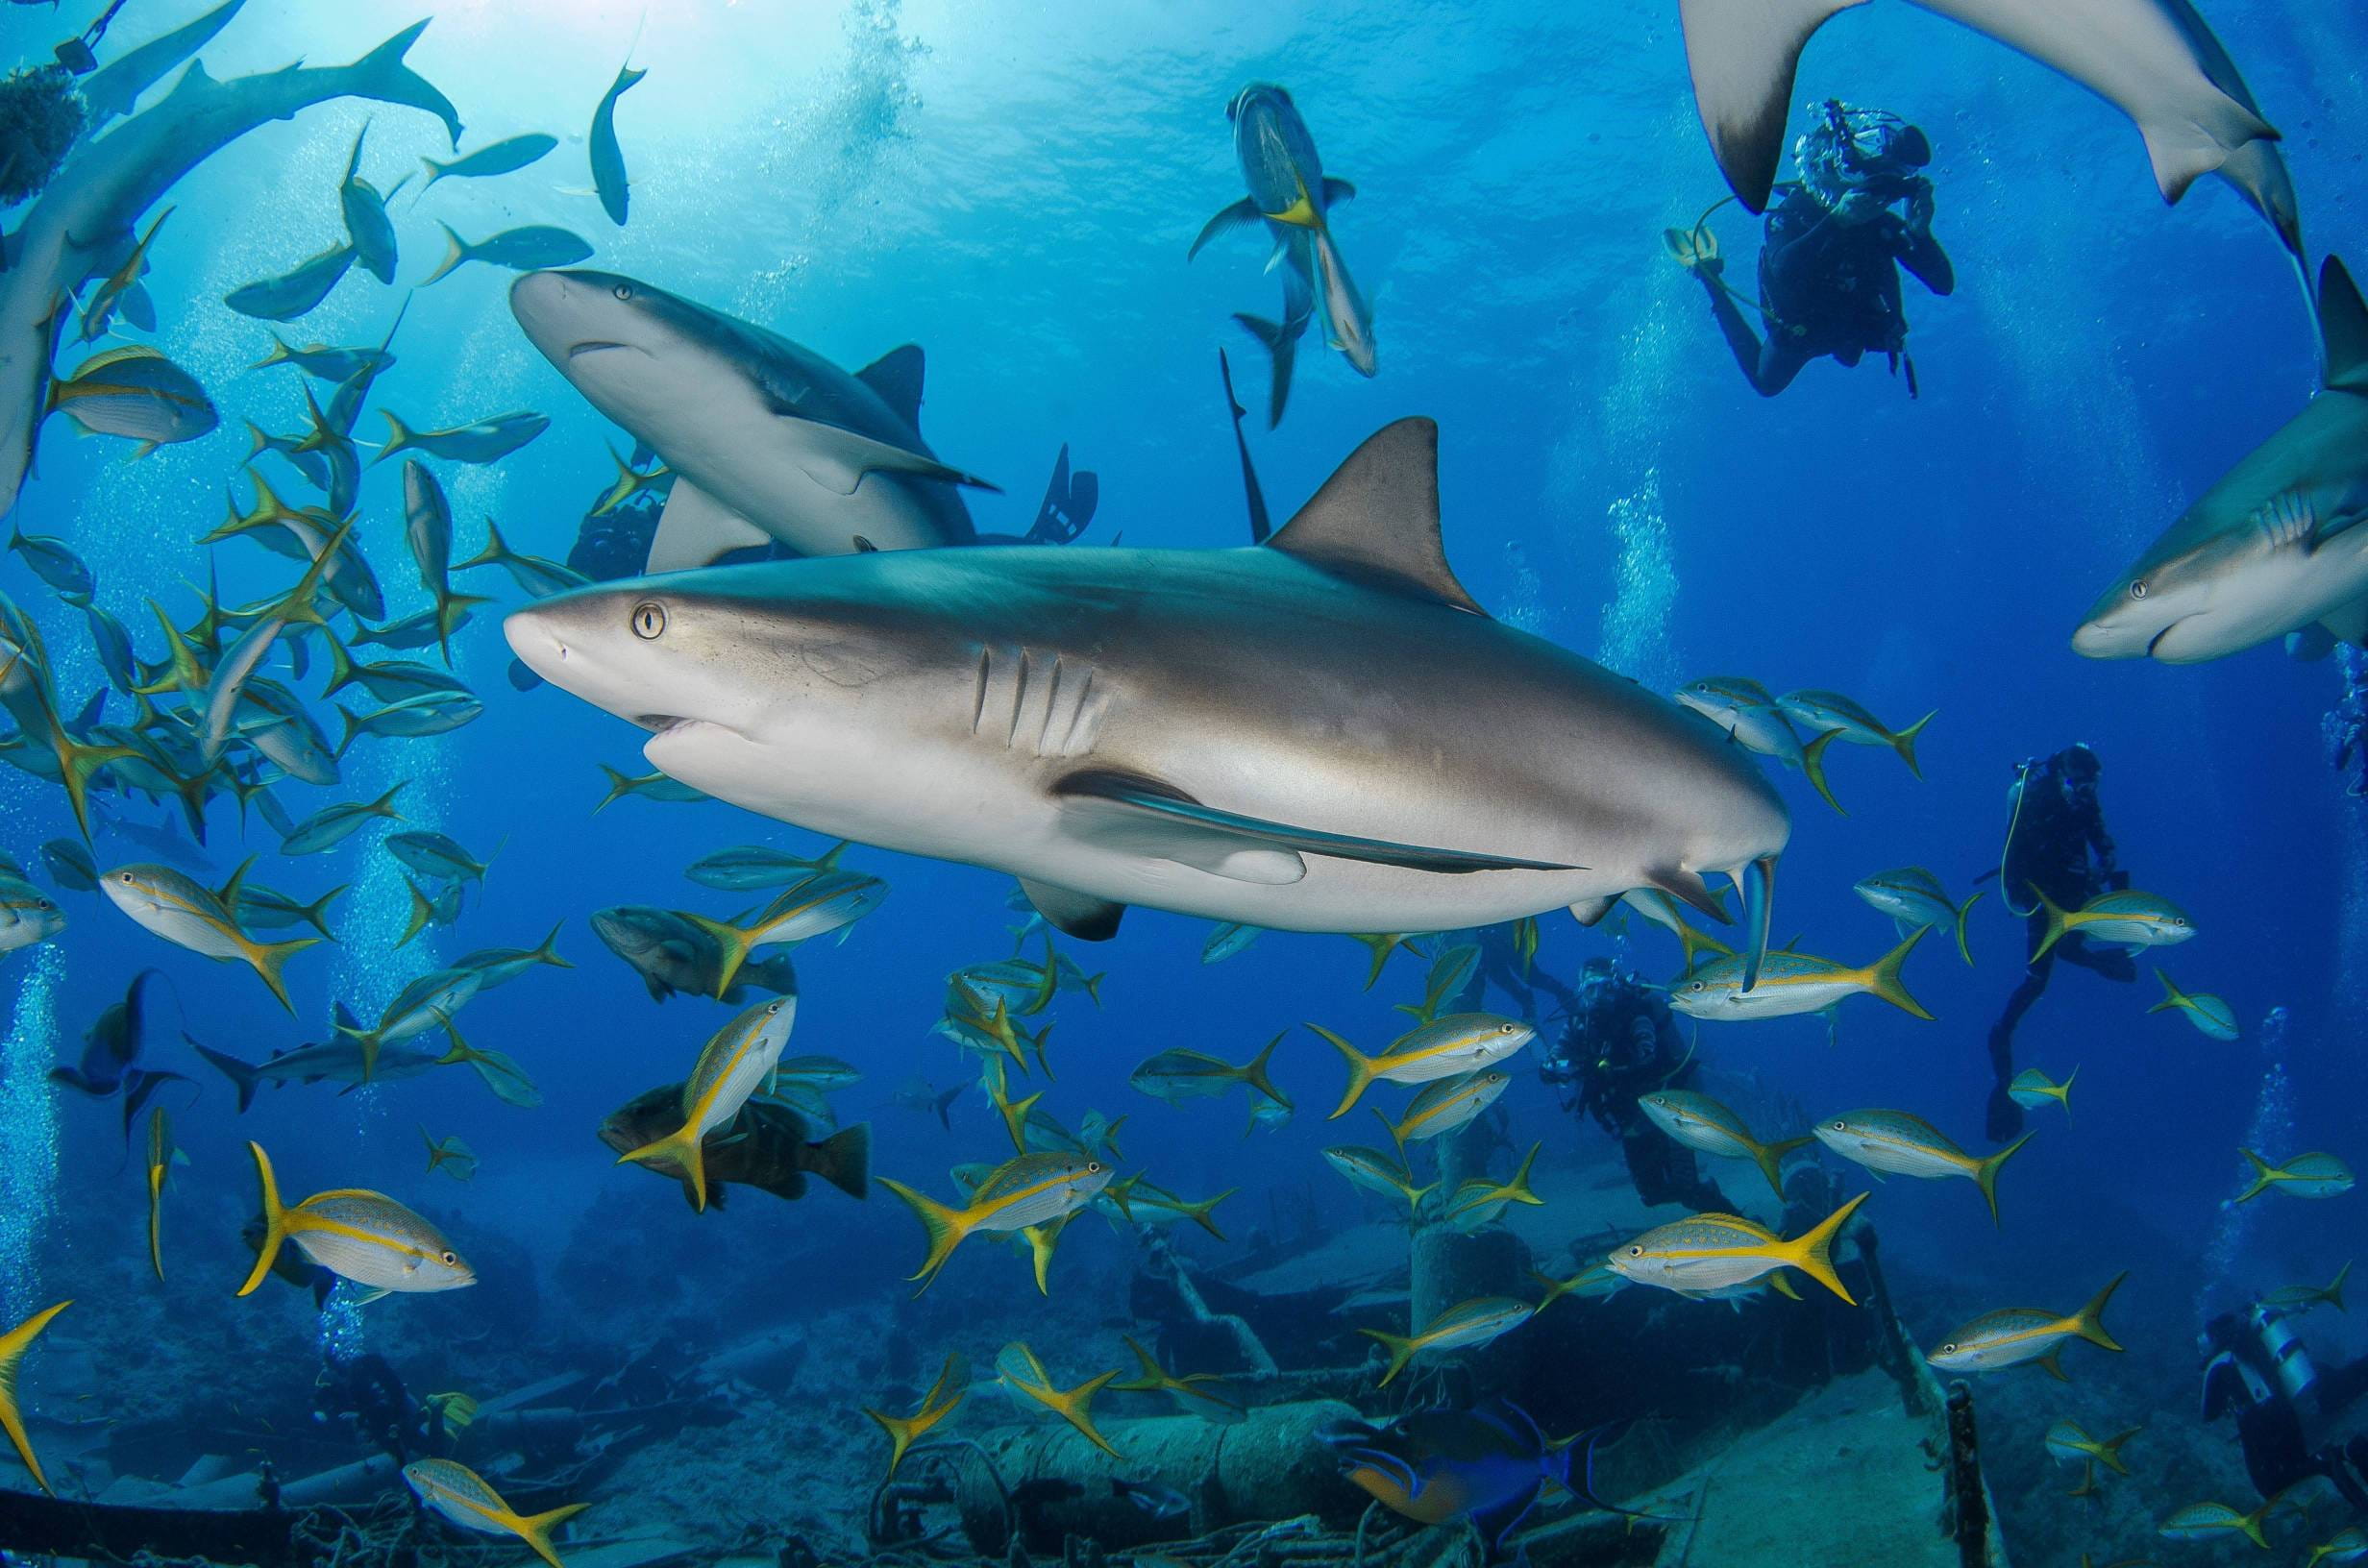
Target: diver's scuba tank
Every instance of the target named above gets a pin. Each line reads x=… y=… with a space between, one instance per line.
x=2282 y=1349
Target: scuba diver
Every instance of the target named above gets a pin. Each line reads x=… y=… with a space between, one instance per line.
x=2055 y=843
x=1621 y=1042
x=366 y=1392
x=1830 y=259
x=2293 y=1421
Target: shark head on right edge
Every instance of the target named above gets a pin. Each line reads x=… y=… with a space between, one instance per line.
x=1321 y=733
x=2277 y=545
x=768 y=440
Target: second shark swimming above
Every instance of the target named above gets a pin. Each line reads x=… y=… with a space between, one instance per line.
x=1321 y=733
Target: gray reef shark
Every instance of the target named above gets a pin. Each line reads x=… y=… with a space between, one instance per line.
x=110 y=91
x=768 y=441
x=2153 y=60
x=86 y=215
x=1319 y=733
x=2277 y=546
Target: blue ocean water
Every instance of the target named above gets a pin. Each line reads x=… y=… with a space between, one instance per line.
x=1014 y=188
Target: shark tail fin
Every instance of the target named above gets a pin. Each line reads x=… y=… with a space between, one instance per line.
x=2185 y=145
x=383 y=76
x=1281 y=340
x=1742 y=63
x=243 y=1078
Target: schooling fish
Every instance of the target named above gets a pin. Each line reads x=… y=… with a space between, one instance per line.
x=2217 y=1521
x=529 y=249
x=1444 y=1105
x=825 y=902
x=1028 y=1190
x=324 y=362
x=1463 y=1326
x=26 y=915
x=767 y=1147
x=136 y=392
x=366 y=223
x=2014 y=1335
x=161 y=1158
x=1195 y=1392
x=2314 y=1175
x=2135 y=918
x=1913 y=898
x=1448 y=1047
x=436 y=855
x=485 y=441
x=2209 y=1015
x=1228 y=939
x=461 y=1495
x=608 y=157
x=2300 y=1298
x=361 y=1236
x=53 y=560
x=427 y=528
x=1818 y=712
x=187 y=915
x=1479 y=1201
x=12 y=1347
x=737 y=1060
x=1707 y=1254
x=449 y=1155
x=1790 y=983
x=332 y=825
x=536 y=576
x=944 y=1396
x=2032 y=1089
x=70 y=865
x=1707 y=1127
x=112 y=292
x=752 y=865
x=1024 y=1378
x=1895 y=1142
x=1743 y=708
x=431 y=713
x=2067 y=1441
x=650 y=786
x=502 y=156
x=671 y=954
x=295 y=291
x=501 y=965
x=1179 y=1075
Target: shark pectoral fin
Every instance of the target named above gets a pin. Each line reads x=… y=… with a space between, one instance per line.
x=2347 y=623
x=1742 y=59
x=1133 y=804
x=1592 y=910
x=1074 y=913
x=2343 y=327
x=696 y=528
x=1234 y=216
x=1119 y=826
x=2310 y=643
x=1337 y=190
x=838 y=459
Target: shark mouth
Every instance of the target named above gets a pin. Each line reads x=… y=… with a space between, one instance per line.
x=577 y=351
x=659 y=724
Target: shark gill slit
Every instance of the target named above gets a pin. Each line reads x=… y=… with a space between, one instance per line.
x=1019 y=700
x=978 y=699
x=1052 y=703
x=1079 y=719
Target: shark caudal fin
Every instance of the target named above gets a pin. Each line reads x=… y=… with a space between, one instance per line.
x=2195 y=136
x=1884 y=978
x=1402 y=1351
x=1362 y=1071
x=383 y=76
x=1812 y=1254
x=1742 y=59
x=12 y=1346
x=535 y=1529
x=1770 y=1158
x=275 y=1221
x=1812 y=764
x=1986 y=1174
x=2089 y=1321
x=243 y=1078
x=1281 y=341
x=943 y=1227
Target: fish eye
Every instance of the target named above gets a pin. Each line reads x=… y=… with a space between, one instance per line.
x=623 y=291
x=649 y=620
x=449 y=1258
x=1635 y=1252
x=1949 y=1349
x=1699 y=985
x=1092 y=1167
x=126 y=878
x=2137 y=590
x=1840 y=1126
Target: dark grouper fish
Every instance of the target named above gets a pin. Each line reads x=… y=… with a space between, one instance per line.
x=110 y=181
x=764 y=1146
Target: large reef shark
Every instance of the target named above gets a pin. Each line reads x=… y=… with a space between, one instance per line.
x=114 y=87
x=2154 y=60
x=2278 y=545
x=768 y=440
x=86 y=215
x=1321 y=733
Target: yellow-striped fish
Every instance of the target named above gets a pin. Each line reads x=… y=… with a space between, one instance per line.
x=2314 y=1175
x=11 y=1352
x=2014 y=1335
x=1707 y=1127
x=1791 y=983
x=2300 y=1298
x=1900 y=1144
x=953 y=1383
x=357 y=1235
x=161 y=1158
x=2217 y=1521
x=2209 y=1015
x=2128 y=917
x=1027 y=1191
x=2067 y=1441
x=822 y=903
x=1377 y=1172
x=1448 y=1047
x=1025 y=1376
x=1444 y=1107
x=187 y=915
x=1461 y=1327
x=2033 y=1088
x=1708 y=1255
x=735 y=1061
x=1480 y=1201
x=1195 y=1392
x=461 y=1495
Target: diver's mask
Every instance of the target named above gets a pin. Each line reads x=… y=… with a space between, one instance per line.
x=1855 y=161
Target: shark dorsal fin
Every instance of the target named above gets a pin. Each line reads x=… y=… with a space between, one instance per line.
x=1376 y=518
x=896 y=376
x=2343 y=327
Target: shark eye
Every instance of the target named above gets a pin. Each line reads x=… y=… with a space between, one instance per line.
x=649 y=620
x=2137 y=590
x=623 y=291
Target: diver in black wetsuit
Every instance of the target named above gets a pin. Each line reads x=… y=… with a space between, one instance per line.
x=2055 y=843
x=366 y=1392
x=2293 y=1420
x=1621 y=1042
x=1830 y=261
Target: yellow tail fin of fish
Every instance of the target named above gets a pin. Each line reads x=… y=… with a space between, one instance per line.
x=1812 y=1253
x=1986 y=1174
